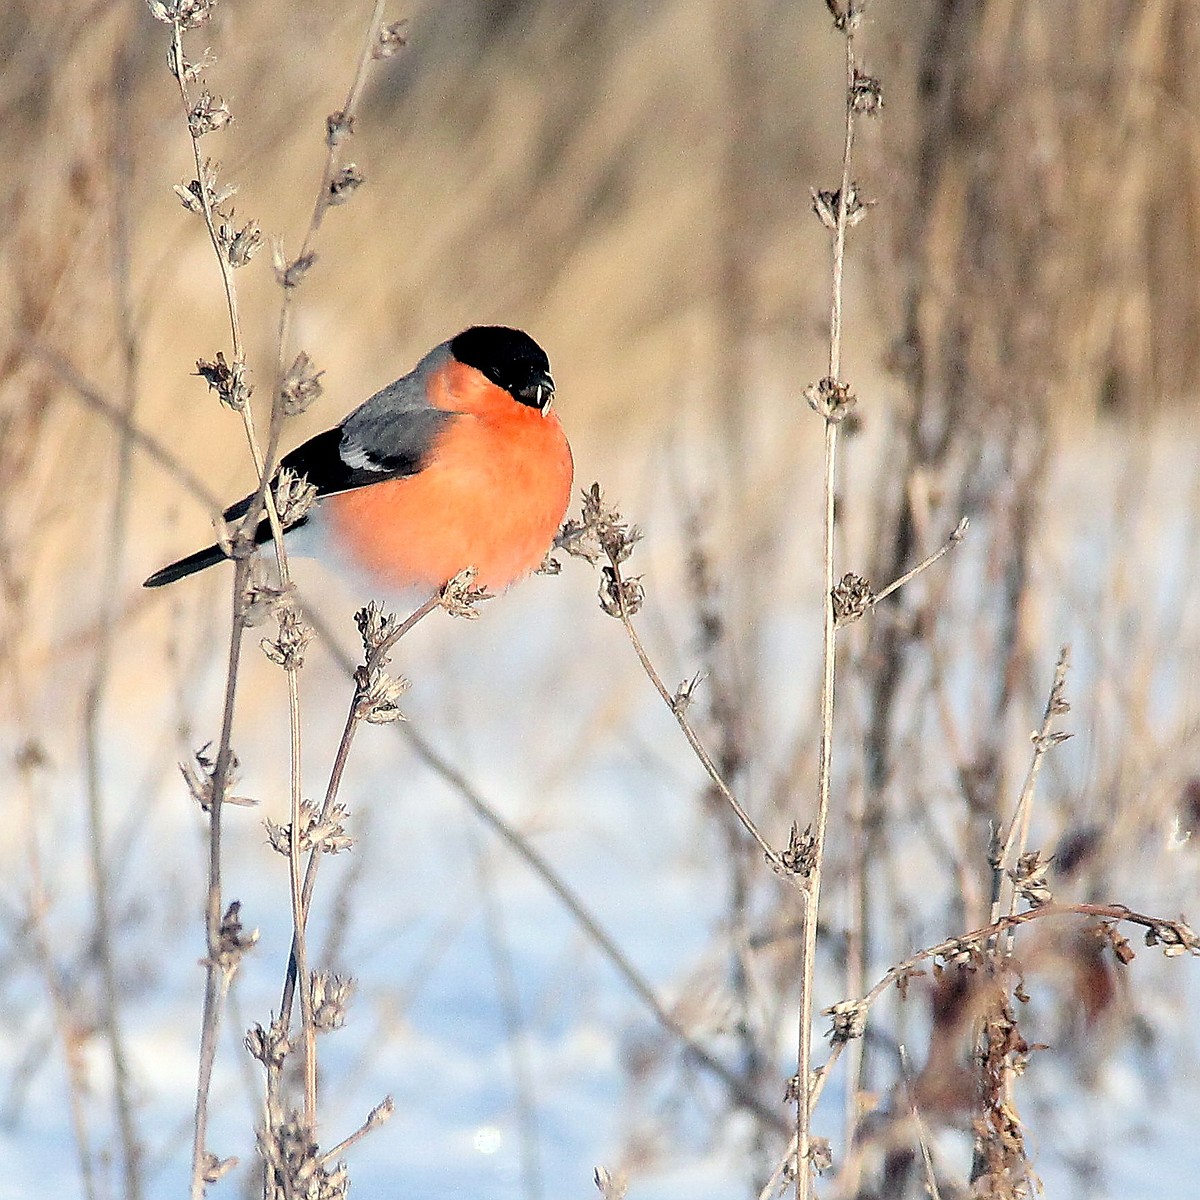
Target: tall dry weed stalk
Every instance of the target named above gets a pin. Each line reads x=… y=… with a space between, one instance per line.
x=292 y=1159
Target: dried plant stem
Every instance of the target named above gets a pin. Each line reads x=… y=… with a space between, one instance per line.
x=1005 y=859
x=349 y=109
x=300 y=909
x=959 y=532
x=1175 y=936
x=857 y=935
x=1168 y=932
x=812 y=898
x=931 y=1183
x=219 y=966
x=677 y=707
x=216 y=975
x=353 y=721
x=1017 y=836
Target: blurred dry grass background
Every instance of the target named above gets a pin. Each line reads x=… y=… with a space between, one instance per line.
x=629 y=181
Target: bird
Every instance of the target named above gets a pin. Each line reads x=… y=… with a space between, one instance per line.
x=460 y=463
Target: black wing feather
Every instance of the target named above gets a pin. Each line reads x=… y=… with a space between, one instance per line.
x=409 y=431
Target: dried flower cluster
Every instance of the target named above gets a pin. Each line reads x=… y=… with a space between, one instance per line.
x=601 y=532
x=323 y=831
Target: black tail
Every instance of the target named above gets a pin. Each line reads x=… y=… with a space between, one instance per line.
x=187 y=566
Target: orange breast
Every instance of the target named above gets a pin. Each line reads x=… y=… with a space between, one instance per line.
x=493 y=496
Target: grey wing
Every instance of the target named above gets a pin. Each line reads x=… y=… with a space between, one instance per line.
x=395 y=431
x=390 y=436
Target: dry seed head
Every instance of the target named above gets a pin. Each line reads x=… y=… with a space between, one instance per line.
x=378 y=698
x=294 y=496
x=600 y=532
x=338 y=127
x=189 y=70
x=301 y=386
x=287 y=649
x=801 y=855
x=345 y=183
x=852 y=599
x=229 y=381
x=238 y=245
x=461 y=598
x=685 y=693
x=200 y=774
x=261 y=599
x=620 y=597
x=1029 y=879
x=791 y=1090
x=289 y=274
x=233 y=940
x=866 y=94
x=831 y=399
x=1108 y=932
x=1175 y=938
x=270 y=1046
x=330 y=997
x=208 y=114
x=849 y=1021
x=214 y=1168
x=375 y=625
x=324 y=833
x=193 y=194
x=391 y=39
x=189 y=197
x=187 y=14
x=383 y=1111
x=826 y=203
x=820 y=1154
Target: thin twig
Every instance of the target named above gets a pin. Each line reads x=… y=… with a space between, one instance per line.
x=1176 y=937
x=931 y=1183
x=960 y=531
x=677 y=711
x=1017 y=836
x=376 y=1117
x=374 y=659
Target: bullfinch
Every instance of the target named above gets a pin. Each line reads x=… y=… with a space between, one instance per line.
x=459 y=463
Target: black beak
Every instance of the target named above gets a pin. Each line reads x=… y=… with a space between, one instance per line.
x=538 y=393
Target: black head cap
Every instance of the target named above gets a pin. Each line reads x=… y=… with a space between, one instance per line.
x=510 y=359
